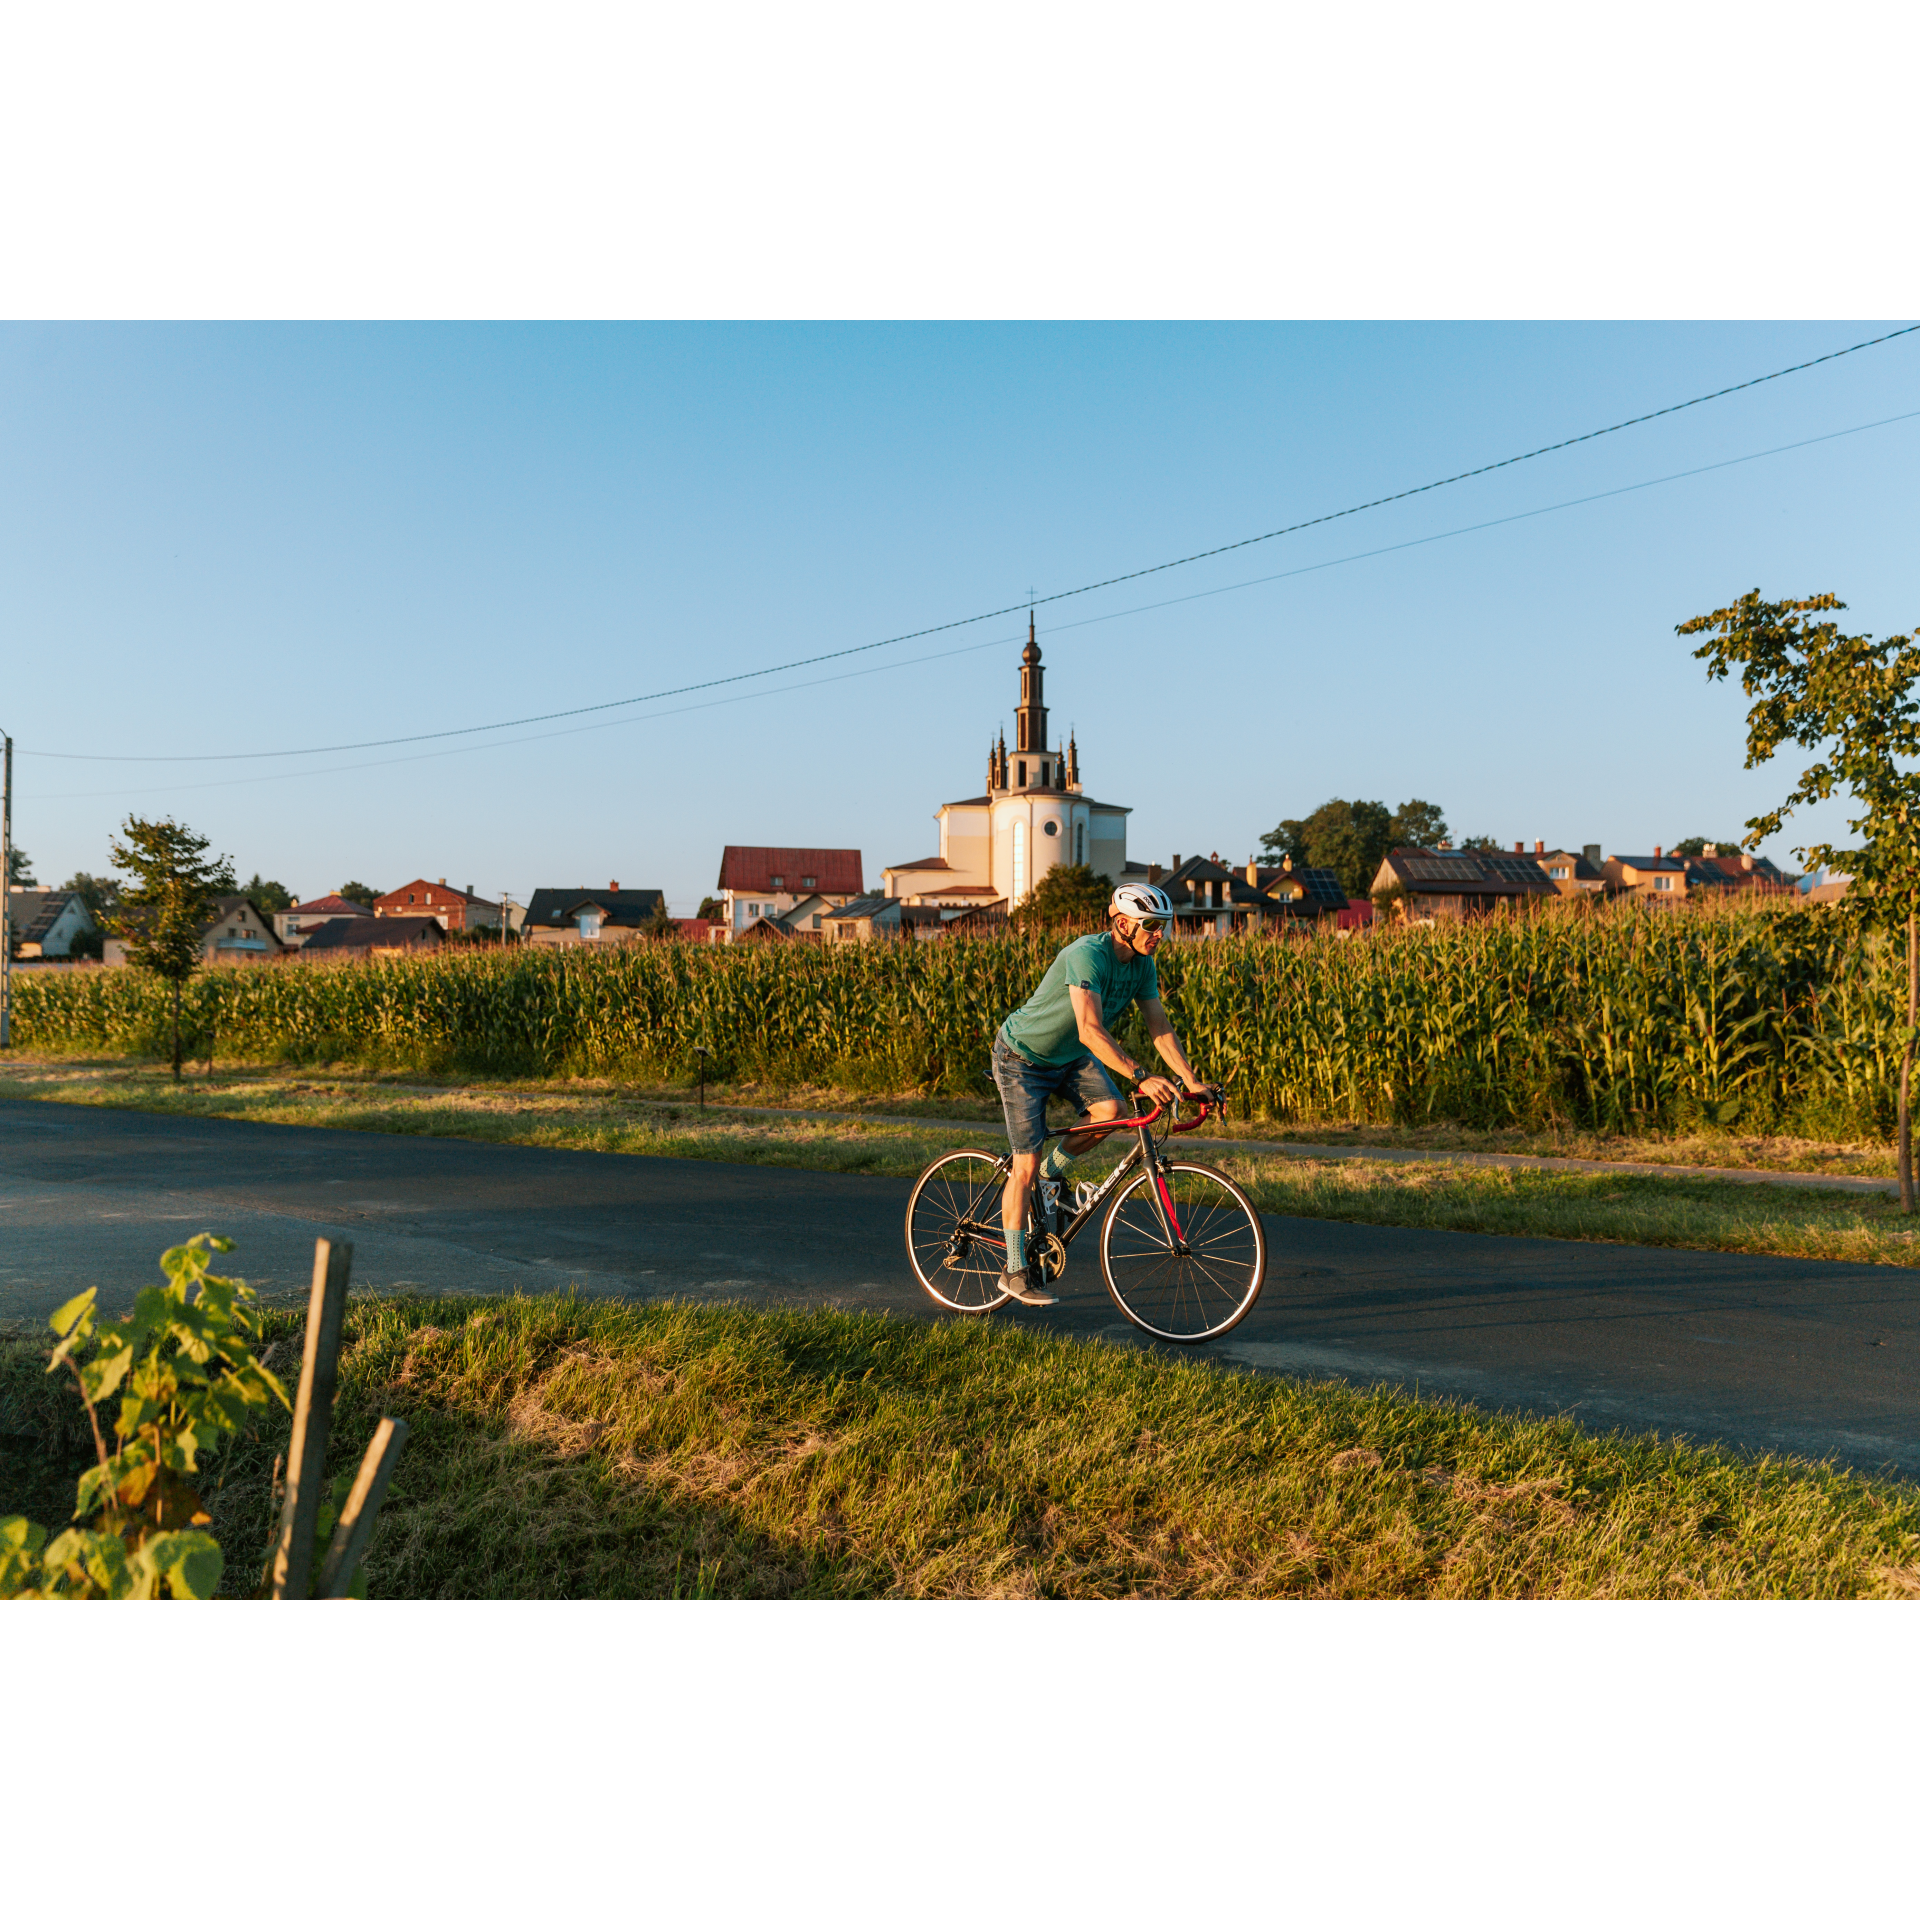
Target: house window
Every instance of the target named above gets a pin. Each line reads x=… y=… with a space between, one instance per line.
x=753 y=909
x=816 y=923
x=589 y=926
x=779 y=881
x=1663 y=883
x=1560 y=873
x=809 y=881
x=409 y=899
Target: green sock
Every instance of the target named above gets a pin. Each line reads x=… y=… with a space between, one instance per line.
x=1057 y=1163
x=1016 y=1248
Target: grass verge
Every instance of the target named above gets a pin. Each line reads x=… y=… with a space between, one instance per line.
x=1625 y=1207
x=567 y=1449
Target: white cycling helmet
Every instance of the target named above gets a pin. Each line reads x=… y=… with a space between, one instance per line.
x=1140 y=902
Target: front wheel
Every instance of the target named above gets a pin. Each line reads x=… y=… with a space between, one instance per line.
x=1194 y=1286
x=954 y=1239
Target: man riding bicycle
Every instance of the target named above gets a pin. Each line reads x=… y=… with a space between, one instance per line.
x=1061 y=1042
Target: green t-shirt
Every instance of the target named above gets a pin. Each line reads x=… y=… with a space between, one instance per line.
x=1045 y=1032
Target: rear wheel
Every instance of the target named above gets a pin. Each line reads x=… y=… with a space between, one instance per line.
x=954 y=1238
x=1195 y=1294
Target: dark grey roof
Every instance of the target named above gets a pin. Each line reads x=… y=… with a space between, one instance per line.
x=34 y=911
x=388 y=930
x=622 y=906
x=864 y=908
x=1456 y=870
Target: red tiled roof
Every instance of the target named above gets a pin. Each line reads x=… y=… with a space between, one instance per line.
x=329 y=903
x=801 y=870
x=447 y=895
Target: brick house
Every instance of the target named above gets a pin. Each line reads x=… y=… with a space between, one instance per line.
x=1574 y=875
x=1737 y=872
x=589 y=916
x=757 y=883
x=458 y=909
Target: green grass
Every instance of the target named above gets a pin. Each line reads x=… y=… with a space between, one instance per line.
x=562 y=1448
x=1627 y=1207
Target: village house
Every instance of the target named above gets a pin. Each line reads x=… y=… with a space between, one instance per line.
x=1451 y=883
x=1574 y=875
x=590 y=916
x=293 y=924
x=875 y=917
x=44 y=922
x=1658 y=879
x=458 y=909
x=760 y=883
x=1737 y=872
x=1034 y=816
x=235 y=931
x=377 y=937
x=1211 y=897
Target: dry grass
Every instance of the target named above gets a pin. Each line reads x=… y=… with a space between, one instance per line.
x=568 y=1449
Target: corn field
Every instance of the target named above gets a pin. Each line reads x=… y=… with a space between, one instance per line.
x=1756 y=1017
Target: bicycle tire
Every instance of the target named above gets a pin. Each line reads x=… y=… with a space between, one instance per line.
x=964 y=1278
x=1195 y=1296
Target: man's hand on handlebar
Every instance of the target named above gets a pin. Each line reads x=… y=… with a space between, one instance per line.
x=1157 y=1088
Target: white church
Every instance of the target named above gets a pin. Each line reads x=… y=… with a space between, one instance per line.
x=1034 y=816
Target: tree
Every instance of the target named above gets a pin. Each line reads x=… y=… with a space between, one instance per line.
x=1480 y=843
x=19 y=868
x=1697 y=846
x=658 y=925
x=711 y=909
x=1288 y=841
x=1849 y=699
x=1067 y=896
x=167 y=901
x=359 y=893
x=267 y=896
x=1418 y=823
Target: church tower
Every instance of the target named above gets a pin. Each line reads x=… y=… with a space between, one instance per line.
x=1030 y=716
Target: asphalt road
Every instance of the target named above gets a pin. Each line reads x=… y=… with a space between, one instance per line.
x=1808 y=1357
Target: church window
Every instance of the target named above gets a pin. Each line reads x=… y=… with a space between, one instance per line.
x=1050 y=828
x=1023 y=773
x=1019 y=860
x=1080 y=844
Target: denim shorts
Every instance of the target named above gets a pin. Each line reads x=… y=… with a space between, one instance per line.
x=1025 y=1090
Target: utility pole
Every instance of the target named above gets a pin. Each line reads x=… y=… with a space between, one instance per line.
x=6 y=896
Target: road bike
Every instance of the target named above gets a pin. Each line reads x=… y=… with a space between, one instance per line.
x=1181 y=1248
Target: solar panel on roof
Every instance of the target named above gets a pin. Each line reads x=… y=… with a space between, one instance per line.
x=1516 y=869
x=1434 y=870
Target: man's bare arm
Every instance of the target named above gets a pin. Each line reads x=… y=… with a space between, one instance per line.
x=1104 y=1048
x=1167 y=1044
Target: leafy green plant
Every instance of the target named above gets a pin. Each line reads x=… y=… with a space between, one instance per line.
x=184 y=1366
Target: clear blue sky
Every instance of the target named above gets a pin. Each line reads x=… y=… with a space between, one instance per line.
x=226 y=539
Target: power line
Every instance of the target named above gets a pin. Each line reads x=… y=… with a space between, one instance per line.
x=999 y=613
x=1006 y=639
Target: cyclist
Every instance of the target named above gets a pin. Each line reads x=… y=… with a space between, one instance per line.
x=1060 y=1042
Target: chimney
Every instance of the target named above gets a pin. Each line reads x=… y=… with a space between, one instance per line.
x=613 y=886
x=1153 y=873
x=1591 y=853
x=1710 y=851
x=1446 y=846
x=1657 y=854
x=1539 y=846
x=1746 y=863
x=442 y=881
x=1519 y=846
x=1176 y=864
x=1253 y=876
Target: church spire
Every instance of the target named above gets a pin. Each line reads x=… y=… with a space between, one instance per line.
x=1030 y=716
x=1073 y=764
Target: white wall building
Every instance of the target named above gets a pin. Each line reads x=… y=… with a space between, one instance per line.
x=1034 y=816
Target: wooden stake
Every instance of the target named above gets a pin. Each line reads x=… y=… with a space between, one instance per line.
x=292 y=1572
x=354 y=1528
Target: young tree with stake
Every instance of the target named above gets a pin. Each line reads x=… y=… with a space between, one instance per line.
x=166 y=901
x=1851 y=698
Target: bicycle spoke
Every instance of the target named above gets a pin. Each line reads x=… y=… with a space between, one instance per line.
x=1195 y=1292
